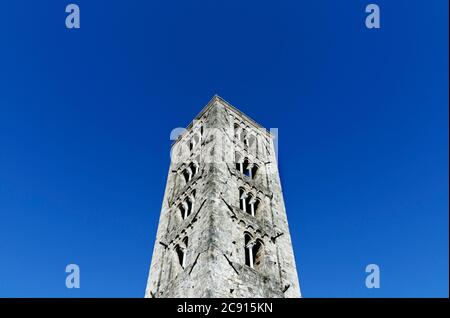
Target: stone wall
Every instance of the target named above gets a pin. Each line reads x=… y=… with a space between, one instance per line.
x=215 y=258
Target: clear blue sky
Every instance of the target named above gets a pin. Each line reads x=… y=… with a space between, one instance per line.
x=85 y=118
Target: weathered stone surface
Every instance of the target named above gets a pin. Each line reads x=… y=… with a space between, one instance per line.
x=212 y=237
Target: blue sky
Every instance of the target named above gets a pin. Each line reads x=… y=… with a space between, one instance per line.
x=85 y=118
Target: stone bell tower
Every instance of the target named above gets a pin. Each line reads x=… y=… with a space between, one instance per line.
x=223 y=230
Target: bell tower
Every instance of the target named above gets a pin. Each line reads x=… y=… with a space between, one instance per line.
x=223 y=229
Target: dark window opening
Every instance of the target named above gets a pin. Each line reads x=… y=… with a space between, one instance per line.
x=255 y=206
x=254 y=170
x=186 y=175
x=257 y=253
x=180 y=255
x=181 y=252
x=246 y=169
x=182 y=211
x=189 y=207
x=248 y=260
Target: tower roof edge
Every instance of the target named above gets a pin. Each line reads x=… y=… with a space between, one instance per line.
x=216 y=98
x=212 y=103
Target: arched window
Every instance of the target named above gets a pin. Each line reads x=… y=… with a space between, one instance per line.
x=253 y=251
x=187 y=174
x=181 y=250
x=248 y=257
x=242 y=199
x=237 y=132
x=243 y=136
x=252 y=204
x=189 y=206
x=190 y=203
x=193 y=166
x=254 y=170
x=195 y=140
x=182 y=210
x=190 y=171
x=257 y=253
x=248 y=204
x=245 y=168
x=254 y=207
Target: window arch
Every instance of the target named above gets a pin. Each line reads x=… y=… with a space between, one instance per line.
x=193 y=166
x=257 y=253
x=253 y=251
x=237 y=131
x=190 y=203
x=248 y=205
x=242 y=199
x=187 y=206
x=244 y=166
x=181 y=251
x=182 y=209
x=196 y=139
x=191 y=170
x=247 y=240
x=187 y=174
x=253 y=205
x=248 y=202
x=254 y=170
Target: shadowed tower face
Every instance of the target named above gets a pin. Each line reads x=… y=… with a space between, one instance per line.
x=223 y=229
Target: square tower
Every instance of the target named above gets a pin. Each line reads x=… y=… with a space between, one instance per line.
x=223 y=230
